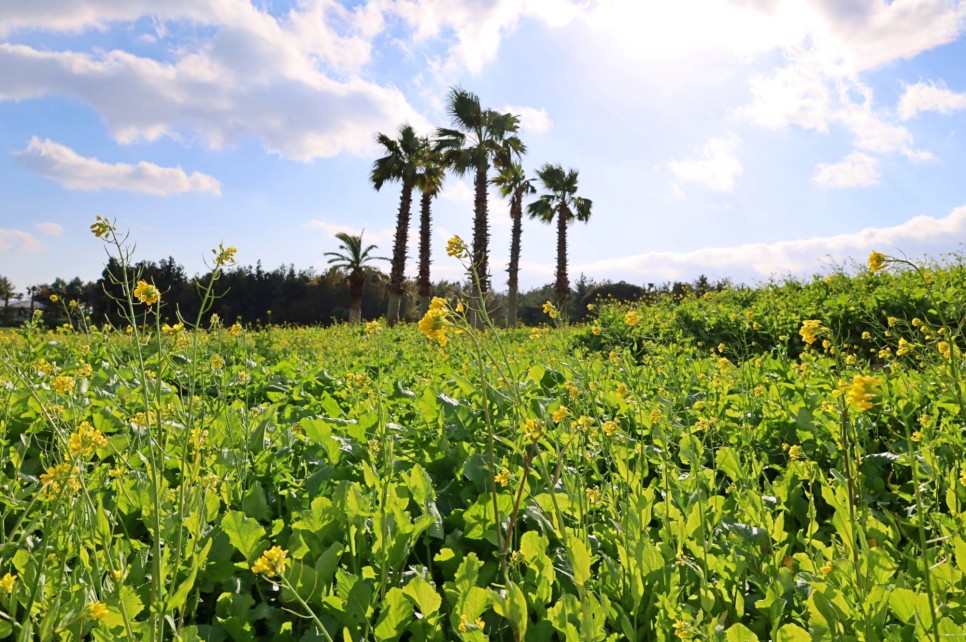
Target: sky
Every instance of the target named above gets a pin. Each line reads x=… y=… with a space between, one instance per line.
x=741 y=139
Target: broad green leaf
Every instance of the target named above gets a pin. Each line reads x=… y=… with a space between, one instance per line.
x=792 y=633
x=244 y=533
x=423 y=595
x=907 y=604
x=740 y=633
x=511 y=603
x=580 y=560
x=727 y=460
x=395 y=614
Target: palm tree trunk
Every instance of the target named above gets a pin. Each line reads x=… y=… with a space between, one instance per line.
x=481 y=240
x=516 y=214
x=397 y=274
x=423 y=287
x=562 y=285
x=357 y=281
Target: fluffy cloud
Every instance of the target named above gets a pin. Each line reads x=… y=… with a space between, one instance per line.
x=755 y=261
x=290 y=81
x=855 y=170
x=716 y=168
x=19 y=241
x=382 y=238
x=73 y=171
x=50 y=229
x=927 y=96
x=531 y=119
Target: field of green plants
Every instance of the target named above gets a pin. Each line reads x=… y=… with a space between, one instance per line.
x=784 y=463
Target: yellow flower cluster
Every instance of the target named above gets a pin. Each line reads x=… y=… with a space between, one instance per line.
x=102 y=228
x=877 y=261
x=146 y=293
x=632 y=318
x=862 y=391
x=85 y=439
x=466 y=625
x=95 y=610
x=224 y=255
x=7 y=584
x=560 y=414
x=59 y=477
x=811 y=330
x=796 y=452
x=532 y=429
x=64 y=384
x=456 y=247
x=551 y=310
x=503 y=477
x=436 y=321
x=373 y=327
x=944 y=349
x=272 y=562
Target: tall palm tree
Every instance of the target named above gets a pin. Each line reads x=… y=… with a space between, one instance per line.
x=513 y=183
x=401 y=163
x=478 y=137
x=560 y=201
x=354 y=259
x=429 y=181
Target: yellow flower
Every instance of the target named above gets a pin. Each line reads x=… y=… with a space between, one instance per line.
x=944 y=349
x=596 y=330
x=7 y=583
x=532 y=429
x=217 y=362
x=592 y=494
x=610 y=427
x=224 y=255
x=616 y=360
x=811 y=329
x=591 y=307
x=559 y=415
x=632 y=317
x=622 y=391
x=58 y=477
x=146 y=293
x=866 y=335
x=272 y=562
x=435 y=322
x=877 y=261
x=102 y=228
x=891 y=321
x=503 y=477
x=826 y=568
x=86 y=439
x=551 y=310
x=95 y=610
x=862 y=391
x=460 y=308
x=916 y=436
x=64 y=384
x=54 y=298
x=373 y=327
x=796 y=452
x=456 y=247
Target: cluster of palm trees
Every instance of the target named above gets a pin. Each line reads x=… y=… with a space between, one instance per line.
x=479 y=140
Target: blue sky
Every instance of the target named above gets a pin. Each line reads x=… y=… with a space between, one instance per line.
x=729 y=138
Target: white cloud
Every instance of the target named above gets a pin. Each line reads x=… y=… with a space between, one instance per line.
x=855 y=170
x=716 y=168
x=927 y=96
x=19 y=241
x=917 y=236
x=457 y=190
x=65 y=166
x=382 y=238
x=50 y=229
x=289 y=81
x=531 y=119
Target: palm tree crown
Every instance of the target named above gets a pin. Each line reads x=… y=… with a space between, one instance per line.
x=353 y=258
x=561 y=200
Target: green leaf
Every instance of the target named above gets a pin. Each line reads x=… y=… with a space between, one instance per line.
x=792 y=633
x=511 y=603
x=580 y=560
x=244 y=533
x=740 y=633
x=727 y=460
x=177 y=599
x=423 y=595
x=907 y=604
x=394 y=616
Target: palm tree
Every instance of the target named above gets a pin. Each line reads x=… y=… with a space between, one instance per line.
x=429 y=181
x=401 y=163
x=478 y=137
x=353 y=259
x=562 y=201
x=513 y=183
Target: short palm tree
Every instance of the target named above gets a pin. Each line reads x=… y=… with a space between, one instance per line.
x=479 y=136
x=354 y=259
x=429 y=181
x=513 y=183
x=401 y=163
x=561 y=200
